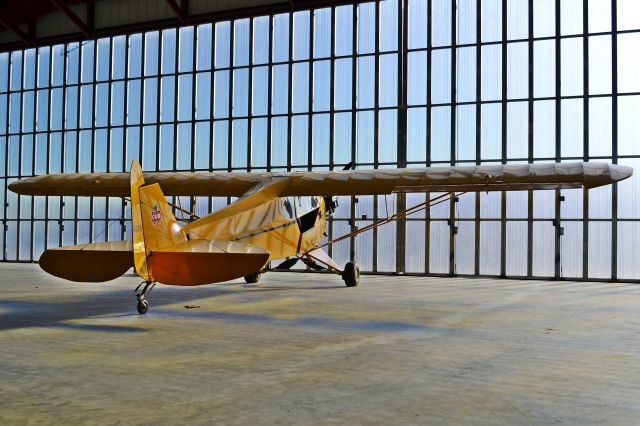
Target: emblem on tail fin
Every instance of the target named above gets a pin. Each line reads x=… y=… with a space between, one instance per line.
x=156 y=216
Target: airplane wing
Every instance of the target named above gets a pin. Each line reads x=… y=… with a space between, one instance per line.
x=350 y=182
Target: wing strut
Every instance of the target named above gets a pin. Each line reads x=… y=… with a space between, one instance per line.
x=316 y=258
x=418 y=207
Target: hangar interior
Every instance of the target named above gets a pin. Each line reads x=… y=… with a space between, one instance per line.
x=88 y=86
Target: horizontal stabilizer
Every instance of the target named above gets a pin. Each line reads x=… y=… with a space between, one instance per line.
x=198 y=262
x=95 y=262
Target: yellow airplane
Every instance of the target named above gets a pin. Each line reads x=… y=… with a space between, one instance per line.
x=278 y=216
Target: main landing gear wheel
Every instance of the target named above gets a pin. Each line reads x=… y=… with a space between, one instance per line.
x=252 y=278
x=143 y=305
x=351 y=274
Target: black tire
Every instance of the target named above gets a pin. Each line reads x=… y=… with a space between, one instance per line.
x=143 y=307
x=252 y=278
x=351 y=274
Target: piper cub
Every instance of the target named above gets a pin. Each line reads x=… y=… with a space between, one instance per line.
x=278 y=216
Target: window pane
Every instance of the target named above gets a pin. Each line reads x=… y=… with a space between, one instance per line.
x=517 y=19
x=388 y=31
x=544 y=18
x=344 y=30
x=203 y=41
x=322 y=33
x=628 y=62
x=571 y=17
x=467 y=21
x=599 y=69
x=366 y=27
x=544 y=65
x=491 y=20
x=417 y=30
x=491 y=73
x=281 y=37
x=628 y=15
x=441 y=22
x=260 y=42
x=571 y=66
x=517 y=70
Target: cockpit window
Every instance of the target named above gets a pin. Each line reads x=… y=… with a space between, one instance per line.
x=288 y=208
x=299 y=206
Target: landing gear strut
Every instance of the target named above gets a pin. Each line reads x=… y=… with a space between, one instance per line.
x=143 y=305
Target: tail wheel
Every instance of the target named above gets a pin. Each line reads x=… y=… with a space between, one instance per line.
x=143 y=307
x=252 y=278
x=351 y=274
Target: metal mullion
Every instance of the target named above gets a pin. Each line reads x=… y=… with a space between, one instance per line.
x=109 y=93
x=5 y=225
x=158 y=101
x=250 y=91
x=77 y=151
x=427 y=227
x=124 y=136
x=530 y=139
x=331 y=115
x=332 y=111
x=230 y=91
x=354 y=76
x=175 y=105
x=503 y=216
x=230 y=103
x=614 y=138
x=290 y=95
x=376 y=112
x=47 y=159
x=376 y=79
x=92 y=152
x=585 y=138
x=558 y=143
x=270 y=94
x=194 y=65
x=478 y=139
x=142 y=99
x=211 y=107
x=20 y=135
x=453 y=142
x=311 y=77
x=62 y=132
x=109 y=127
x=33 y=144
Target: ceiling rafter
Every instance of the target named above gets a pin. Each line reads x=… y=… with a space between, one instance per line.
x=179 y=10
x=64 y=8
x=8 y=24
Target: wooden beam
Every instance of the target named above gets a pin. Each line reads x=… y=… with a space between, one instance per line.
x=64 y=8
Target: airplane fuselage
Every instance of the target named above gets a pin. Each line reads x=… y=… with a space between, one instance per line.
x=283 y=226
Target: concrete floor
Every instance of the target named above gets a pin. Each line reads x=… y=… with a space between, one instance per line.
x=304 y=349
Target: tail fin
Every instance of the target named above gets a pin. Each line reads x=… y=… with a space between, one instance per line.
x=154 y=225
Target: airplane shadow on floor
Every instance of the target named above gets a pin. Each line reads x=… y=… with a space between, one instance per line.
x=103 y=306
x=17 y=314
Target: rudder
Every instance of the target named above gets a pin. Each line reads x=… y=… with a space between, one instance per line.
x=154 y=225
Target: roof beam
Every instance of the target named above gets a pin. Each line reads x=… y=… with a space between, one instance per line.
x=8 y=24
x=64 y=8
x=178 y=10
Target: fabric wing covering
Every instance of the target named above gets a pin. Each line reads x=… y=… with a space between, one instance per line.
x=352 y=182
